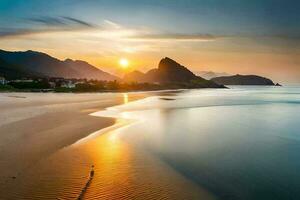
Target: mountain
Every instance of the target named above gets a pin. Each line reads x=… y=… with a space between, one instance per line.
x=210 y=74
x=43 y=65
x=169 y=72
x=135 y=76
x=243 y=80
x=11 y=71
x=87 y=70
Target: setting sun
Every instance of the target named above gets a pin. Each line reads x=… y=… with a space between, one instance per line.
x=124 y=63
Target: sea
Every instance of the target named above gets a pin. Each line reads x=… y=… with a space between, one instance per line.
x=238 y=143
x=241 y=143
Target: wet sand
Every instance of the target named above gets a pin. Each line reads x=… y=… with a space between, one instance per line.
x=37 y=125
x=40 y=158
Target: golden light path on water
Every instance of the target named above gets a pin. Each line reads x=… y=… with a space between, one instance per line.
x=125 y=97
x=124 y=170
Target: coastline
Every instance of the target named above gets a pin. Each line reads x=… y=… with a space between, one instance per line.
x=33 y=126
x=37 y=149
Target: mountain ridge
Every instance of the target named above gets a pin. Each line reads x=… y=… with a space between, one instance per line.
x=44 y=65
x=171 y=72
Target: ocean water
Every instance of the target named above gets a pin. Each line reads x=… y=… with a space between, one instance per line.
x=240 y=143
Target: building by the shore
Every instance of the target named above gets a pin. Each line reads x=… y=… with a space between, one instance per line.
x=3 y=81
x=68 y=84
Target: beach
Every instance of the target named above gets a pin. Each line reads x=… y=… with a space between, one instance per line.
x=34 y=125
x=41 y=157
x=238 y=143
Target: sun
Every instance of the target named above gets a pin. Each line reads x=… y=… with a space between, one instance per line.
x=124 y=63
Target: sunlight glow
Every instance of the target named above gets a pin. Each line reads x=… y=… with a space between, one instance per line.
x=124 y=63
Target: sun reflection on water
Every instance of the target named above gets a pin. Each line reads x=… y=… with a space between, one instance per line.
x=125 y=98
x=112 y=159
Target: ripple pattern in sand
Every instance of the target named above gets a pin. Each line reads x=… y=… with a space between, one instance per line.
x=122 y=171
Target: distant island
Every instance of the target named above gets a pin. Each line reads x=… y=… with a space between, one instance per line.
x=37 y=71
x=244 y=80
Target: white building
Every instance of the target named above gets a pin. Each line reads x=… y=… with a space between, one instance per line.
x=68 y=84
x=2 y=81
x=23 y=81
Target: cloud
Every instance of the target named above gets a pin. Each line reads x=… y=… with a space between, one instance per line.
x=80 y=22
x=11 y=32
x=108 y=30
x=47 y=24
x=154 y=36
x=112 y=25
x=61 y=21
x=175 y=36
x=49 y=21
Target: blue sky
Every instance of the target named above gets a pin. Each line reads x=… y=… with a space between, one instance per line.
x=219 y=35
x=255 y=17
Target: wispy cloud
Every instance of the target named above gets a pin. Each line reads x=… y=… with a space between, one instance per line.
x=47 y=24
x=48 y=21
x=174 y=36
x=107 y=30
x=112 y=25
x=79 y=22
x=11 y=32
x=60 y=21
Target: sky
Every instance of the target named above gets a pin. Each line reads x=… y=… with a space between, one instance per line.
x=234 y=36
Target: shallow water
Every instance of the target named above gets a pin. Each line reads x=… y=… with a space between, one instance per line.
x=242 y=143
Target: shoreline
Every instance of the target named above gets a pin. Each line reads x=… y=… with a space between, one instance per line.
x=99 y=92
x=64 y=142
x=114 y=133
x=37 y=126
